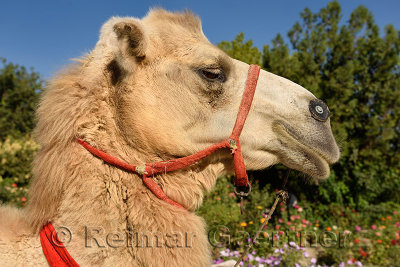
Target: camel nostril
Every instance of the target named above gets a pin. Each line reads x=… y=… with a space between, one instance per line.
x=319 y=110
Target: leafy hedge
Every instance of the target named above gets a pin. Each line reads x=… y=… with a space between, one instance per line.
x=16 y=157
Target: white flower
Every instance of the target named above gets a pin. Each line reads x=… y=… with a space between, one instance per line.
x=224 y=253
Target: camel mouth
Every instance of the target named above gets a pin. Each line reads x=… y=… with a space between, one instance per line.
x=295 y=153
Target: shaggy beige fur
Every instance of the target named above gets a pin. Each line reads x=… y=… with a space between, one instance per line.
x=141 y=95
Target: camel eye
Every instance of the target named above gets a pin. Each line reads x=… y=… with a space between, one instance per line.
x=213 y=74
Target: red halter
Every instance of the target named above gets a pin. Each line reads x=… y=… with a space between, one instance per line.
x=55 y=252
x=150 y=169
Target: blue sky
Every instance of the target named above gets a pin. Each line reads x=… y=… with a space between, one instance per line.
x=45 y=35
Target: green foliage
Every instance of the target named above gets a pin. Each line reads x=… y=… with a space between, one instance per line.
x=243 y=51
x=19 y=91
x=222 y=200
x=356 y=70
x=16 y=156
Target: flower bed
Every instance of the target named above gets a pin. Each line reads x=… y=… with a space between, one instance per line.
x=306 y=234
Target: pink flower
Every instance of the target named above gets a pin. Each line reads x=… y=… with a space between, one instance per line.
x=358 y=228
x=395 y=212
x=378 y=234
x=304 y=221
x=373 y=227
x=277 y=227
x=280 y=220
x=296 y=206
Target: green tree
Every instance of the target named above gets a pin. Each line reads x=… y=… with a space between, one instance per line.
x=19 y=90
x=243 y=51
x=356 y=70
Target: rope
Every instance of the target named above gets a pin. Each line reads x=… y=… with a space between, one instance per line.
x=281 y=195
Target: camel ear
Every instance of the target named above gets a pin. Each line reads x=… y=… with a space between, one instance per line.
x=126 y=39
x=131 y=39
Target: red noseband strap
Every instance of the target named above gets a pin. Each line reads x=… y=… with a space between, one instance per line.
x=148 y=170
x=241 y=178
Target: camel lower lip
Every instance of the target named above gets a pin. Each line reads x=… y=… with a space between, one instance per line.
x=301 y=156
x=296 y=138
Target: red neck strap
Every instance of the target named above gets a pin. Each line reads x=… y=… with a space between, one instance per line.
x=54 y=250
x=149 y=169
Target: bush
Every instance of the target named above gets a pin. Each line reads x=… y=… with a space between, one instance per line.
x=16 y=157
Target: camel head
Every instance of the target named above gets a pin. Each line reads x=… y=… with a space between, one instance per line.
x=175 y=94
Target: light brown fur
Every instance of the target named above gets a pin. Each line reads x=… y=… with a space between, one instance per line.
x=139 y=97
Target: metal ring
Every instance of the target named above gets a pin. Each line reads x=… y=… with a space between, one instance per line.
x=242 y=193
